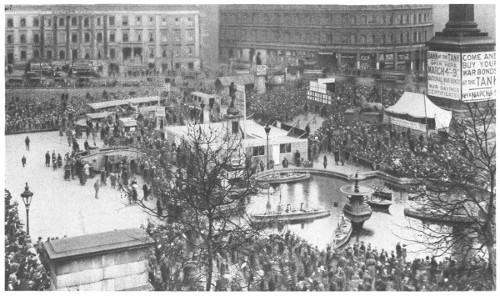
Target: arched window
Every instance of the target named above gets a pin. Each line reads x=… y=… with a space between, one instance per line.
x=36 y=54
x=73 y=21
x=62 y=55
x=23 y=38
x=99 y=37
x=363 y=20
x=112 y=53
x=87 y=56
x=401 y=38
x=36 y=22
x=23 y=22
x=87 y=37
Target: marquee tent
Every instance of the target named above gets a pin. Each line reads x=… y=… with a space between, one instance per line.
x=412 y=109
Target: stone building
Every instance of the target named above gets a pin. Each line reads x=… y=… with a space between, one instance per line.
x=351 y=39
x=109 y=261
x=114 y=38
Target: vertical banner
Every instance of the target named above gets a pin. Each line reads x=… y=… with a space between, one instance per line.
x=241 y=102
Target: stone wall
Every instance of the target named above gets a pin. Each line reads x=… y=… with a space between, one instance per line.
x=127 y=270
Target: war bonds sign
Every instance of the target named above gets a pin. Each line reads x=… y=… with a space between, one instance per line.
x=443 y=74
x=478 y=76
x=462 y=76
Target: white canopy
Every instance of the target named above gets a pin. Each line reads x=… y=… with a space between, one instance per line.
x=419 y=106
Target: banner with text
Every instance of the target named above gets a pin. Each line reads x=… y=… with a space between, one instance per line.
x=443 y=75
x=240 y=102
x=408 y=124
x=478 y=76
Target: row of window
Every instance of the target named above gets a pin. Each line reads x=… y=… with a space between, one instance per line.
x=402 y=18
x=324 y=37
x=260 y=150
x=176 y=52
x=99 y=22
x=99 y=37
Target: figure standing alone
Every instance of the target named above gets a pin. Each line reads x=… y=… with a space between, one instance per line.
x=27 y=142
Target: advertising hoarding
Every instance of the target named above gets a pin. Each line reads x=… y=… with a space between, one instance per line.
x=443 y=74
x=478 y=76
x=462 y=76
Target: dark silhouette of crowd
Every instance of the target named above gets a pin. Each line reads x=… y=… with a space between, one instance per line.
x=23 y=269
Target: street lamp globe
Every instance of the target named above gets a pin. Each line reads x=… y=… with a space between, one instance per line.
x=27 y=196
x=267 y=128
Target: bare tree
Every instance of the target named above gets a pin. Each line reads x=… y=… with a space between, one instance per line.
x=458 y=177
x=202 y=186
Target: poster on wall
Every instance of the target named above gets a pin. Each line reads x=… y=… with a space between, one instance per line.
x=478 y=76
x=443 y=75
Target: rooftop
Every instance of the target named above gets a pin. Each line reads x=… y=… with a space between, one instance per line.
x=96 y=243
x=255 y=133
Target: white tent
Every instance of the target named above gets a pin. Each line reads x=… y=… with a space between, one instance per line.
x=419 y=106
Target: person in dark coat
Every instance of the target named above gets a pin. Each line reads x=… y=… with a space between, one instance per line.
x=23 y=161
x=27 y=142
x=86 y=145
x=59 y=160
x=145 y=189
x=67 y=171
x=47 y=159
x=103 y=177
x=325 y=161
x=133 y=166
x=285 y=163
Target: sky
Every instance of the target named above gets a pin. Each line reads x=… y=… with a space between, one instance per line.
x=484 y=16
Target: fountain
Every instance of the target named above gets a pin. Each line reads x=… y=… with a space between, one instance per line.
x=357 y=210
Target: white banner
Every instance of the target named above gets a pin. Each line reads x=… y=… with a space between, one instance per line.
x=408 y=124
x=478 y=76
x=443 y=74
x=240 y=102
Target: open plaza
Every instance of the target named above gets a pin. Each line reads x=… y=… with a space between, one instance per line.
x=309 y=172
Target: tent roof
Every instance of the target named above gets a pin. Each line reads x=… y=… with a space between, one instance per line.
x=241 y=79
x=98 y=115
x=143 y=100
x=413 y=104
x=108 y=104
x=419 y=106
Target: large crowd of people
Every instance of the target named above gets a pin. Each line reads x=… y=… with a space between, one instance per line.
x=289 y=263
x=23 y=268
x=285 y=262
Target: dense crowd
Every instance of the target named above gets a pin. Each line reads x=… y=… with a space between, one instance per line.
x=282 y=104
x=285 y=262
x=23 y=269
x=397 y=152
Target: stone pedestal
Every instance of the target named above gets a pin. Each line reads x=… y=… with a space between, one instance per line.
x=460 y=37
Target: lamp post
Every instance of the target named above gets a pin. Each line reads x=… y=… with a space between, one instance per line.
x=202 y=106
x=27 y=196
x=267 y=128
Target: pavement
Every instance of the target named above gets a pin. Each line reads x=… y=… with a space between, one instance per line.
x=62 y=207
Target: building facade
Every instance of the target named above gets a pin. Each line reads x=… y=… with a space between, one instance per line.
x=345 y=38
x=118 y=38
